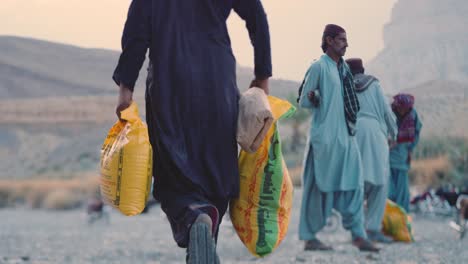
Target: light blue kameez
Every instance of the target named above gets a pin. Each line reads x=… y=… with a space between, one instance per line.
x=376 y=123
x=336 y=155
x=332 y=167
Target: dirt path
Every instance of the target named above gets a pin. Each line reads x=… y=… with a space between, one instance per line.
x=64 y=237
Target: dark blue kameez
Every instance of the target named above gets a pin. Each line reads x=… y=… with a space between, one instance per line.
x=191 y=98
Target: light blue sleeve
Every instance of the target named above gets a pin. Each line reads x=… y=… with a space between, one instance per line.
x=389 y=116
x=311 y=83
x=417 y=132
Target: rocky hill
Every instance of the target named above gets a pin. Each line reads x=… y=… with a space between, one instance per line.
x=57 y=103
x=443 y=108
x=425 y=41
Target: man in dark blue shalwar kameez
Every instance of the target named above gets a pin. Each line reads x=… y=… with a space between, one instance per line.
x=191 y=106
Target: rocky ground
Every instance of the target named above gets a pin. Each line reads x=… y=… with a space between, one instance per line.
x=28 y=236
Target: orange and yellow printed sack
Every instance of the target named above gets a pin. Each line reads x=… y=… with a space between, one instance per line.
x=261 y=214
x=396 y=223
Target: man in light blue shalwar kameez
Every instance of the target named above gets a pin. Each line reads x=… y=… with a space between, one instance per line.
x=409 y=128
x=332 y=171
x=376 y=123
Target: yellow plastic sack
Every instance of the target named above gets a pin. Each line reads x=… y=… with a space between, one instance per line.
x=261 y=213
x=396 y=223
x=126 y=164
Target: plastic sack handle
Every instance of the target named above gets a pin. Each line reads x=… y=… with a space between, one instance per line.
x=131 y=113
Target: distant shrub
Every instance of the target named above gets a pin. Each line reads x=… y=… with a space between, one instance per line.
x=49 y=194
x=62 y=200
x=5 y=196
x=441 y=161
x=35 y=197
x=429 y=172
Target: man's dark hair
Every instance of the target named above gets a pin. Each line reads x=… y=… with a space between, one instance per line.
x=331 y=30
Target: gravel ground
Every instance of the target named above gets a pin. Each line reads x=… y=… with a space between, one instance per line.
x=28 y=236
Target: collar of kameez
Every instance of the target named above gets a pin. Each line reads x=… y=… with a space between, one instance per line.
x=331 y=60
x=363 y=81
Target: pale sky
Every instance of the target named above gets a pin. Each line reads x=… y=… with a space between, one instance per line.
x=295 y=26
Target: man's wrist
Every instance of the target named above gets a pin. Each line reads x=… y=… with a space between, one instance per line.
x=125 y=95
x=261 y=78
